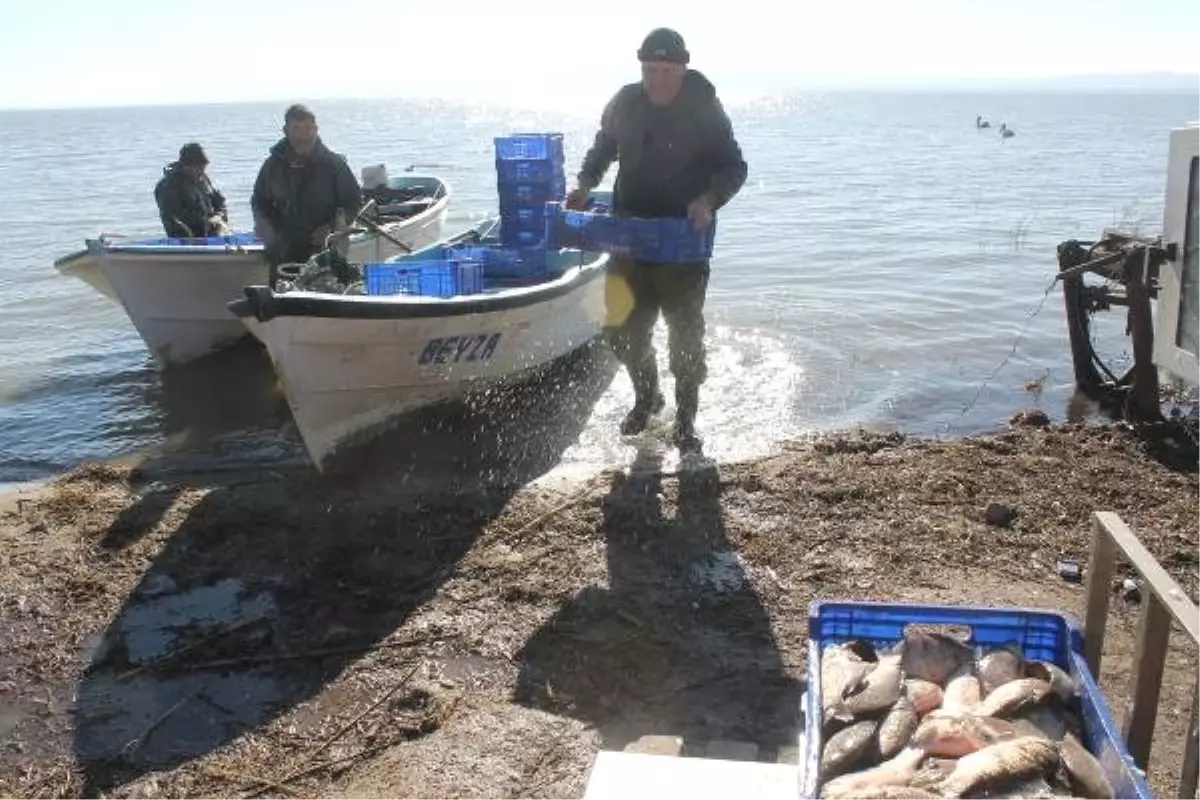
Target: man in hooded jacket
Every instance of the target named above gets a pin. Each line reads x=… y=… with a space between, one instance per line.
x=304 y=191
x=678 y=157
x=188 y=203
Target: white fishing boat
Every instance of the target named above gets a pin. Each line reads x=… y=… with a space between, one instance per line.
x=175 y=291
x=351 y=364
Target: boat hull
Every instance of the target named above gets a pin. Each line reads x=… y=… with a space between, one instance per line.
x=347 y=379
x=178 y=300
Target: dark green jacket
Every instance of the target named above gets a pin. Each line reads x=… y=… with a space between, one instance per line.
x=183 y=201
x=668 y=156
x=297 y=196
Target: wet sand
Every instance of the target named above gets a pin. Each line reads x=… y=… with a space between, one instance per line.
x=430 y=622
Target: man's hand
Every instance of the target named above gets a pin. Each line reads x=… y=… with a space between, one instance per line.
x=218 y=225
x=577 y=198
x=320 y=235
x=700 y=212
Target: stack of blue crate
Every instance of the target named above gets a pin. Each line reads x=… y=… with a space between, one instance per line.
x=529 y=172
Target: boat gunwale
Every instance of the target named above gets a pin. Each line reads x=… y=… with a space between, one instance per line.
x=263 y=304
x=442 y=197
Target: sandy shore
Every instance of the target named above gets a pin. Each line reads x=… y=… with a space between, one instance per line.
x=166 y=632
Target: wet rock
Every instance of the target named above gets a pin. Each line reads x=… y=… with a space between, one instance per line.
x=1069 y=570
x=999 y=515
x=1033 y=417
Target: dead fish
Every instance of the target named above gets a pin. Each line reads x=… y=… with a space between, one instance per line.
x=894 y=792
x=1084 y=771
x=897 y=727
x=923 y=695
x=1035 y=788
x=963 y=692
x=956 y=735
x=1014 y=696
x=999 y=666
x=842 y=666
x=1042 y=720
x=933 y=657
x=1061 y=683
x=877 y=690
x=846 y=746
x=932 y=773
x=999 y=763
x=896 y=771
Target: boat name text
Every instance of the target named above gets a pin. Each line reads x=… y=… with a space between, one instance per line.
x=452 y=349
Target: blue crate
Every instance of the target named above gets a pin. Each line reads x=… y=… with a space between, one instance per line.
x=530 y=146
x=504 y=262
x=425 y=278
x=524 y=228
x=525 y=217
x=515 y=237
x=1042 y=635
x=520 y=195
x=664 y=240
x=530 y=171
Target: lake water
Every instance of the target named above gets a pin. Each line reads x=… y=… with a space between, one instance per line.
x=886 y=265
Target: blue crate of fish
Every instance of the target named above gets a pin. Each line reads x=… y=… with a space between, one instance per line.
x=1037 y=637
x=662 y=240
x=426 y=278
x=530 y=147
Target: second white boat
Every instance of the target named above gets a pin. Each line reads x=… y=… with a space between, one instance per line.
x=176 y=291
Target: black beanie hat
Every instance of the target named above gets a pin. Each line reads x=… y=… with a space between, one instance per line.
x=192 y=155
x=663 y=44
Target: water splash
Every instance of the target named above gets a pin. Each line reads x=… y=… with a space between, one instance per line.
x=746 y=407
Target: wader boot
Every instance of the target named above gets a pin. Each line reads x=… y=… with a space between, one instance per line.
x=687 y=403
x=648 y=400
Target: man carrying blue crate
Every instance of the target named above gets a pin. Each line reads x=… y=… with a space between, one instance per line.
x=302 y=192
x=677 y=157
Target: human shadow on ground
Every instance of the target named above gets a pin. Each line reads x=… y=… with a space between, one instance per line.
x=273 y=586
x=679 y=643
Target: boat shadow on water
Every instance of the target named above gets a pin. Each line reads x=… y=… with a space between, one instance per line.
x=274 y=583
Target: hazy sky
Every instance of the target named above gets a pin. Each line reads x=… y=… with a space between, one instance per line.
x=119 y=52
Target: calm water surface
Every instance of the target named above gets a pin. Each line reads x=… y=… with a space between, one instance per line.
x=877 y=269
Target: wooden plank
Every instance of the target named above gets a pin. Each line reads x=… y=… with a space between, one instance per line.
x=1141 y=711
x=621 y=776
x=1099 y=588
x=1191 y=751
x=1158 y=581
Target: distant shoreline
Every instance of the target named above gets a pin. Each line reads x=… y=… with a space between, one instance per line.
x=1151 y=84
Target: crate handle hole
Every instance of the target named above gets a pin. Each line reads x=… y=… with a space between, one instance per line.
x=961 y=632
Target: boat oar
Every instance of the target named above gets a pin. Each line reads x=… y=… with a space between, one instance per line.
x=381 y=232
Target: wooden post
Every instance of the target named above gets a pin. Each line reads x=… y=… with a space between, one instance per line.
x=1154 y=633
x=1099 y=589
x=1191 y=751
x=1086 y=377
x=1143 y=399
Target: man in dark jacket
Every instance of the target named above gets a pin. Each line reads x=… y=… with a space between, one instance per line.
x=677 y=158
x=304 y=191
x=188 y=203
